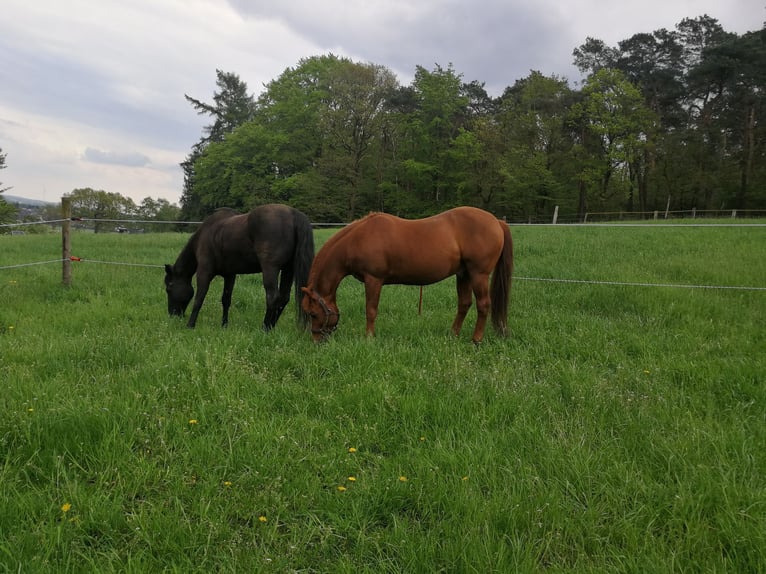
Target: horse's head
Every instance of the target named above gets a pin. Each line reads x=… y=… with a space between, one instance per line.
x=324 y=316
x=179 y=290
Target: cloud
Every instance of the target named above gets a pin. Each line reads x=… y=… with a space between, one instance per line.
x=130 y=159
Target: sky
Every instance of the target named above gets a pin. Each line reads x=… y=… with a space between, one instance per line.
x=92 y=91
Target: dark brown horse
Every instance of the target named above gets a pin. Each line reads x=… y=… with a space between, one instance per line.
x=383 y=249
x=274 y=239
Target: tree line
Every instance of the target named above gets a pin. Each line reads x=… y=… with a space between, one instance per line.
x=662 y=119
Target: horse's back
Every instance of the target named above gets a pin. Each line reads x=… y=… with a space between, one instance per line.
x=422 y=251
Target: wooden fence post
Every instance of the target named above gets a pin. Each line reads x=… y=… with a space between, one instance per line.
x=555 y=215
x=66 y=240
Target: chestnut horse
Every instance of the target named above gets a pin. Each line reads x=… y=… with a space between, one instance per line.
x=276 y=240
x=382 y=249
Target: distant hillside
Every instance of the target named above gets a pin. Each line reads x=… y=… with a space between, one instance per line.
x=16 y=200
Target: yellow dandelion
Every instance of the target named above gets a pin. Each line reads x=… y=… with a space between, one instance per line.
x=352 y=450
x=227 y=483
x=30 y=410
x=11 y=327
x=352 y=479
x=192 y=421
x=341 y=488
x=66 y=507
x=262 y=519
x=402 y=479
x=422 y=439
x=465 y=478
x=646 y=372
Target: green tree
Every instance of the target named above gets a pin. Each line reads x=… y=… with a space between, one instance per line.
x=102 y=207
x=615 y=124
x=232 y=106
x=428 y=131
x=259 y=161
x=315 y=141
x=353 y=119
x=158 y=210
x=532 y=117
x=732 y=73
x=7 y=211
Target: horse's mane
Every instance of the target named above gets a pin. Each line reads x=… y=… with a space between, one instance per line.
x=186 y=262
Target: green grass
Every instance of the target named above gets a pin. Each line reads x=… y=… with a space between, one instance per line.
x=618 y=429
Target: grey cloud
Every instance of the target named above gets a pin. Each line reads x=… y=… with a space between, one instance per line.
x=492 y=41
x=129 y=159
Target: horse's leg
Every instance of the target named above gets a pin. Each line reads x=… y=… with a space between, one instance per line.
x=463 y=301
x=273 y=309
x=285 y=285
x=480 y=286
x=203 y=284
x=228 y=289
x=372 y=287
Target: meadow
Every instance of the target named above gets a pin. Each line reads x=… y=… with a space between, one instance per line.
x=620 y=428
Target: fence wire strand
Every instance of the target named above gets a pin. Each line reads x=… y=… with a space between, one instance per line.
x=31 y=264
x=28 y=223
x=123 y=263
x=638 y=284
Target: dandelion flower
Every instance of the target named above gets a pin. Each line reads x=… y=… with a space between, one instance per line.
x=352 y=450
x=227 y=483
x=30 y=410
x=192 y=421
x=402 y=479
x=422 y=439
x=352 y=479
x=262 y=519
x=66 y=507
x=465 y=478
x=341 y=488
x=646 y=372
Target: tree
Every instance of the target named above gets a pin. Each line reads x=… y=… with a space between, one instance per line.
x=101 y=205
x=736 y=66
x=353 y=119
x=532 y=117
x=7 y=211
x=232 y=106
x=615 y=124
x=439 y=113
x=157 y=210
x=316 y=140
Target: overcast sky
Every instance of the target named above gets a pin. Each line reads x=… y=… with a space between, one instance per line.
x=92 y=91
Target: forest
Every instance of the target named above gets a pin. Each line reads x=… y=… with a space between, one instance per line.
x=663 y=120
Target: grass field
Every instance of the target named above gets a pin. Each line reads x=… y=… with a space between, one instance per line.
x=619 y=428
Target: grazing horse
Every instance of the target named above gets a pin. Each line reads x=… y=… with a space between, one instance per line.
x=273 y=239
x=382 y=249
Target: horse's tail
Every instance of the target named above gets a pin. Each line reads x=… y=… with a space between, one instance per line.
x=302 y=260
x=500 y=289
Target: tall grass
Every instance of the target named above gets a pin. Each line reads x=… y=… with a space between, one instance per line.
x=619 y=428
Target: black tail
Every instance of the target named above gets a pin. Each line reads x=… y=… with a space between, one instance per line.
x=302 y=260
x=500 y=290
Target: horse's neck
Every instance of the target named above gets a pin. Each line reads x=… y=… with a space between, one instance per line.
x=186 y=263
x=330 y=273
